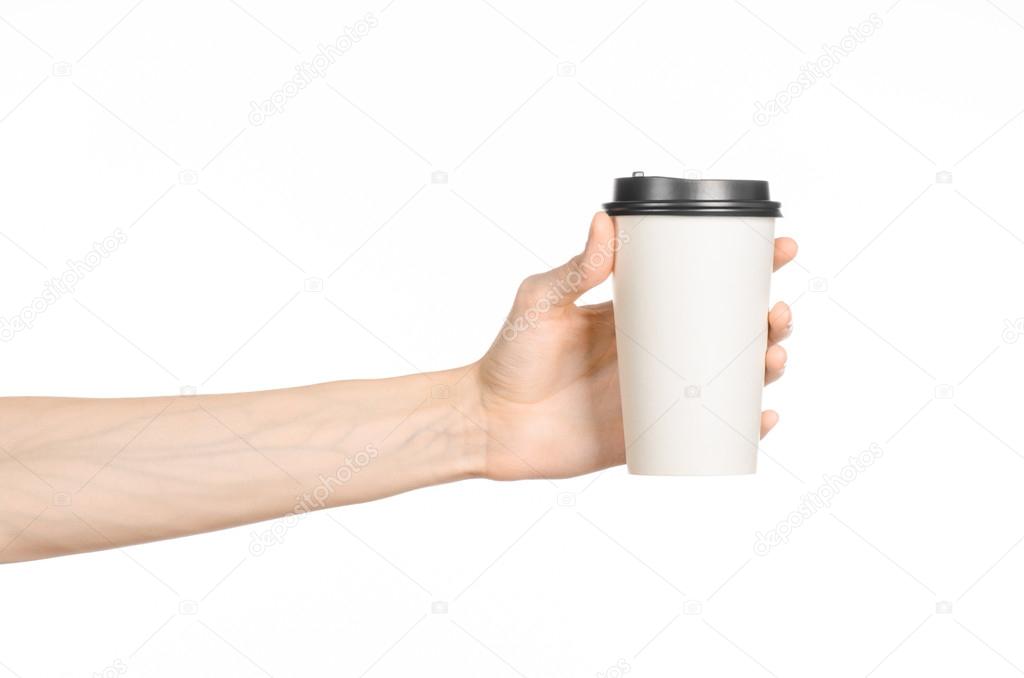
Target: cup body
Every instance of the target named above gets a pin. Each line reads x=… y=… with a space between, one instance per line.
x=691 y=301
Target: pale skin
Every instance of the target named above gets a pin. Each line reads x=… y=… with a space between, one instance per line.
x=80 y=474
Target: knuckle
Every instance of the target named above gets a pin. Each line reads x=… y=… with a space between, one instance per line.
x=531 y=287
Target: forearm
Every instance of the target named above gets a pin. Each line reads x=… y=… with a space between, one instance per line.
x=85 y=474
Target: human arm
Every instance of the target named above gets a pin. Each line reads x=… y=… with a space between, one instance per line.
x=86 y=474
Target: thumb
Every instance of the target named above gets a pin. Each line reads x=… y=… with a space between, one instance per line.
x=565 y=284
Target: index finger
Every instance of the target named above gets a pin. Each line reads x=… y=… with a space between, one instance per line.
x=785 y=251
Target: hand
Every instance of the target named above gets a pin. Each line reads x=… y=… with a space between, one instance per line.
x=549 y=385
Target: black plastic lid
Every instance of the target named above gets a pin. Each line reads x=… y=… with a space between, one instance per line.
x=700 y=197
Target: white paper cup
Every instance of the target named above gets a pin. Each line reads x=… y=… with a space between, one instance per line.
x=691 y=284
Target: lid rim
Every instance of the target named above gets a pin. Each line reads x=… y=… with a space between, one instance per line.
x=697 y=208
x=641 y=194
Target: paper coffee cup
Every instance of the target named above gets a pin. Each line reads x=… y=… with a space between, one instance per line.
x=691 y=280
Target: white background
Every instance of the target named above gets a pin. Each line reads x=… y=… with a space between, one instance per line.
x=905 y=289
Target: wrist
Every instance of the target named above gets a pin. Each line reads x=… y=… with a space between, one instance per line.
x=459 y=391
x=421 y=429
